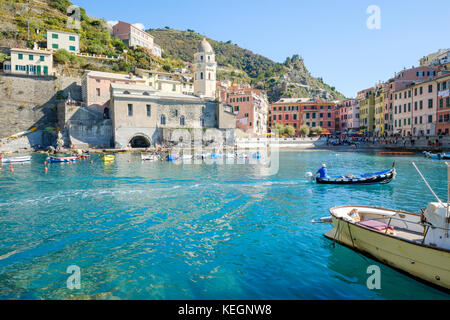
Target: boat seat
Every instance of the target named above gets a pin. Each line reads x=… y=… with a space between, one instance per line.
x=375 y=225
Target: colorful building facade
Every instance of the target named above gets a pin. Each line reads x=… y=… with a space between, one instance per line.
x=415 y=109
x=443 y=107
x=298 y=111
x=366 y=99
x=379 y=111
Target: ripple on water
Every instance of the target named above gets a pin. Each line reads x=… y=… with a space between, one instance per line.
x=165 y=231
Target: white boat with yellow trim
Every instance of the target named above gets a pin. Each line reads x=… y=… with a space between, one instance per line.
x=416 y=244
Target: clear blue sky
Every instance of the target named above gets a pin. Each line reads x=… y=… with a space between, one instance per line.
x=330 y=35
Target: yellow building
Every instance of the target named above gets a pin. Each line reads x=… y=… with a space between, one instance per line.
x=167 y=82
x=366 y=100
x=379 y=110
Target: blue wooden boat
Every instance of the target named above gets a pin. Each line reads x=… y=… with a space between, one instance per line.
x=62 y=159
x=382 y=177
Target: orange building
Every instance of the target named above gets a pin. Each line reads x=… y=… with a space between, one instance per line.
x=298 y=111
x=443 y=105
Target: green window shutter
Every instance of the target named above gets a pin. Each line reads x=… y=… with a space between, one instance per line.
x=20 y=56
x=45 y=70
x=72 y=48
x=72 y=38
x=54 y=46
x=42 y=58
x=17 y=67
x=54 y=36
x=30 y=57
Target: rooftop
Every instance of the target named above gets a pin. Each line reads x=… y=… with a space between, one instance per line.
x=147 y=92
x=26 y=50
x=110 y=75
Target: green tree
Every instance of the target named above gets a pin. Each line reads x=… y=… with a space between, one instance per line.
x=279 y=127
x=317 y=130
x=289 y=130
x=304 y=130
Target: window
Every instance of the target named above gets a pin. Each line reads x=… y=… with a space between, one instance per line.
x=149 y=110
x=20 y=56
x=55 y=46
x=42 y=58
x=98 y=92
x=163 y=119
x=54 y=36
x=30 y=57
x=174 y=87
x=286 y=117
x=430 y=103
x=72 y=48
x=182 y=121
x=72 y=38
x=420 y=90
x=201 y=75
x=295 y=116
x=430 y=88
x=430 y=118
x=420 y=104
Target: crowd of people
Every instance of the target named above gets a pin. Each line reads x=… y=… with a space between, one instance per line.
x=395 y=140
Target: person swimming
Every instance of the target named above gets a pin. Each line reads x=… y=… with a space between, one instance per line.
x=323 y=172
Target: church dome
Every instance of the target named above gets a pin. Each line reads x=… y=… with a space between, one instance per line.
x=204 y=46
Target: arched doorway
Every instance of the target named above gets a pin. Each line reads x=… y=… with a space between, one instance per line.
x=140 y=142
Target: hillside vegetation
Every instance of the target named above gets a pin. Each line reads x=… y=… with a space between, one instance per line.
x=288 y=79
x=26 y=21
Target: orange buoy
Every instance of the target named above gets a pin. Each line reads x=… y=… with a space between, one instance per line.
x=11 y=169
x=45 y=162
x=45 y=169
x=22 y=164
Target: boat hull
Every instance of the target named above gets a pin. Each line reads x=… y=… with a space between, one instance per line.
x=16 y=159
x=427 y=264
x=382 y=179
x=62 y=159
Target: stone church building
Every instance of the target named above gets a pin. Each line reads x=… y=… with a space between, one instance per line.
x=143 y=116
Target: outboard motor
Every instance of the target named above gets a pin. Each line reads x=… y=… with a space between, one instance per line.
x=310 y=177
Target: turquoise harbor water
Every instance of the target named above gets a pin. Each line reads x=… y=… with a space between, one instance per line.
x=166 y=231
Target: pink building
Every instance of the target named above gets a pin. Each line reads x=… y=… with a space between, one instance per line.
x=96 y=87
x=349 y=115
x=132 y=36
x=401 y=81
x=250 y=106
x=415 y=109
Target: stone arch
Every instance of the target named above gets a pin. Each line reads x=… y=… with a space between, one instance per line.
x=140 y=140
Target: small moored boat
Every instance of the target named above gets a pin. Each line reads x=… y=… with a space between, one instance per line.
x=61 y=159
x=150 y=157
x=416 y=244
x=381 y=177
x=15 y=159
x=108 y=157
